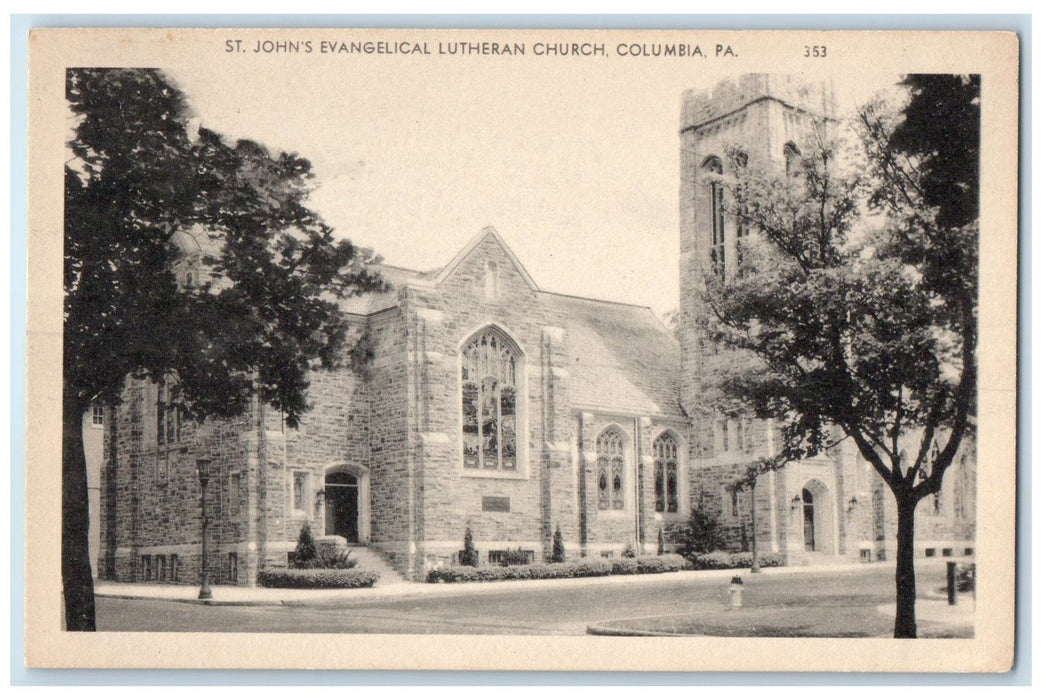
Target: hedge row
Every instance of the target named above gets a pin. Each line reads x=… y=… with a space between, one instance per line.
x=316 y=578
x=569 y=569
x=733 y=560
x=664 y=563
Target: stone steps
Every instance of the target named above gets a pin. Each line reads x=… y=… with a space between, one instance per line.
x=375 y=561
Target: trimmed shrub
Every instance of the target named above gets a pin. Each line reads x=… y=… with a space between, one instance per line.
x=733 y=560
x=469 y=555
x=624 y=566
x=579 y=568
x=628 y=551
x=661 y=543
x=663 y=564
x=557 y=555
x=339 y=559
x=316 y=578
x=573 y=569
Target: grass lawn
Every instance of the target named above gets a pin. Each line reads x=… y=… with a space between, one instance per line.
x=780 y=621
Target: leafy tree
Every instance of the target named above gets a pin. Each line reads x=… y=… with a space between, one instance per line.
x=853 y=315
x=557 y=554
x=264 y=314
x=469 y=557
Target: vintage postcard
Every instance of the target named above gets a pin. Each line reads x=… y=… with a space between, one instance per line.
x=522 y=349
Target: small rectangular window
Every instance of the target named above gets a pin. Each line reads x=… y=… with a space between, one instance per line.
x=146 y=567
x=300 y=482
x=233 y=493
x=161 y=567
x=97 y=414
x=173 y=567
x=162 y=467
x=233 y=567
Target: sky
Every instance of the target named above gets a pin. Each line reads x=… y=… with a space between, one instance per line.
x=573 y=160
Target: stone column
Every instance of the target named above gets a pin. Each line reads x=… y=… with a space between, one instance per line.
x=558 y=486
x=587 y=479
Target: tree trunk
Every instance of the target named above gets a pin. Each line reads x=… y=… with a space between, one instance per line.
x=904 y=622
x=77 y=581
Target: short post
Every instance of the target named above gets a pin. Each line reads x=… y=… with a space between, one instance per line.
x=202 y=466
x=951 y=582
x=735 y=591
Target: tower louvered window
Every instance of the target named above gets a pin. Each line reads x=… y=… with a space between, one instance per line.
x=717 y=252
x=490 y=366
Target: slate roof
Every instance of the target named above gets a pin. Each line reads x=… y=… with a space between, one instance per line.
x=622 y=357
x=372 y=302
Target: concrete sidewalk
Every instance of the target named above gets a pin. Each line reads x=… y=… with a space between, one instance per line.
x=244 y=595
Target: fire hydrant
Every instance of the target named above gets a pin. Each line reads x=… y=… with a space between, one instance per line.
x=735 y=589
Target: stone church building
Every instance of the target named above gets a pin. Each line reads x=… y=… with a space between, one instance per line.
x=493 y=404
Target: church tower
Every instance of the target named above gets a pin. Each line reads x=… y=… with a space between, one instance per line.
x=769 y=120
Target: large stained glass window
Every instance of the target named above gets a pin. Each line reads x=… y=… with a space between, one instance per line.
x=610 y=470
x=665 y=449
x=489 y=370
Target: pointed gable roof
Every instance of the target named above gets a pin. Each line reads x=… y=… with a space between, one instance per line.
x=486 y=233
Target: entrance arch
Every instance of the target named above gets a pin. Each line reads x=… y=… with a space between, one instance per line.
x=817 y=511
x=346 y=503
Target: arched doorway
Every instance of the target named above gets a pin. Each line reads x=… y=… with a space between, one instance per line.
x=346 y=504
x=808 y=521
x=818 y=518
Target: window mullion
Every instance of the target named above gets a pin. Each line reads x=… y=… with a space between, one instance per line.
x=499 y=425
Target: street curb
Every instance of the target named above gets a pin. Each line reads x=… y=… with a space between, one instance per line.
x=419 y=590
x=195 y=601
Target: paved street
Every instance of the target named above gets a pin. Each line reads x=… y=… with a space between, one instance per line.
x=562 y=609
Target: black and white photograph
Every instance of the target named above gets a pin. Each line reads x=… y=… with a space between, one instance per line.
x=608 y=350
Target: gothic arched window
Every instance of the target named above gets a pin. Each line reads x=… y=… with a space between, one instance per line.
x=792 y=159
x=611 y=461
x=713 y=167
x=490 y=372
x=665 y=449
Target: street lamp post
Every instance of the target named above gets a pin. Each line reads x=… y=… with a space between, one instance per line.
x=752 y=498
x=202 y=466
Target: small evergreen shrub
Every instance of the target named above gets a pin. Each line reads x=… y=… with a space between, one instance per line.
x=316 y=578
x=629 y=552
x=469 y=555
x=700 y=534
x=661 y=543
x=965 y=577
x=557 y=554
x=306 y=551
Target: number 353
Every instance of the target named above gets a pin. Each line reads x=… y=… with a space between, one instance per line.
x=815 y=51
